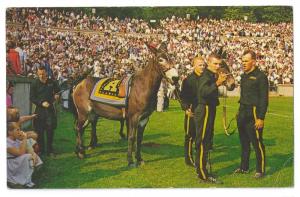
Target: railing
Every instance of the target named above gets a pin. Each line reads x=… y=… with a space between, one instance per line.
x=280 y=90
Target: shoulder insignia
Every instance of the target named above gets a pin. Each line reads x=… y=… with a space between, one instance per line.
x=252 y=78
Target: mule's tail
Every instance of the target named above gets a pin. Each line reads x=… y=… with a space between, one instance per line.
x=72 y=106
x=73 y=110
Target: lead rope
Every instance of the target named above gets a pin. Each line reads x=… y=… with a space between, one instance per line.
x=224 y=117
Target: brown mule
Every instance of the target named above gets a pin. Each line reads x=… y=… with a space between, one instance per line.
x=141 y=101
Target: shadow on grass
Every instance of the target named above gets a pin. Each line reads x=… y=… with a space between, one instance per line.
x=229 y=149
x=79 y=179
x=278 y=162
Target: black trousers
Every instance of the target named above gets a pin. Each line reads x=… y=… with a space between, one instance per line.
x=204 y=122
x=44 y=124
x=41 y=138
x=189 y=138
x=248 y=134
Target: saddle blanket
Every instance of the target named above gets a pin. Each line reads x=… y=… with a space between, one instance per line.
x=112 y=91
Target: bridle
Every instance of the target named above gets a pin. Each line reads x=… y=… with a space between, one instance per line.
x=163 y=71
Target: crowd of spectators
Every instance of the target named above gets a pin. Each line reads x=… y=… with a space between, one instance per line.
x=69 y=42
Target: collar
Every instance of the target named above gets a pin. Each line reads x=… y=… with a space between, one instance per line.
x=196 y=73
x=42 y=82
x=209 y=73
x=252 y=72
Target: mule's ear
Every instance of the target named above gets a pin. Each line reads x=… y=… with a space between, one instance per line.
x=163 y=47
x=151 y=47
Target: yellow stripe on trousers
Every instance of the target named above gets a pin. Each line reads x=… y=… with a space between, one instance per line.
x=190 y=140
x=190 y=147
x=201 y=145
x=188 y=125
x=259 y=144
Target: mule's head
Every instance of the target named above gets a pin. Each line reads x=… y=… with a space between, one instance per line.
x=164 y=62
x=224 y=68
x=229 y=82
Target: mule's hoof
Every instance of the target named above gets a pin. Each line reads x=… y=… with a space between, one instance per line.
x=80 y=155
x=131 y=165
x=140 y=163
x=123 y=137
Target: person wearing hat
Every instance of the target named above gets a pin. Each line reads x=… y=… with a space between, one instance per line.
x=188 y=104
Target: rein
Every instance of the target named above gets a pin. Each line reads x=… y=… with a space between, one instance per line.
x=226 y=126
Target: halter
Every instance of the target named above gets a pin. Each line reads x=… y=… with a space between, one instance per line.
x=162 y=71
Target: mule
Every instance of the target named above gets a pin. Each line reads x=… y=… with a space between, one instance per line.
x=141 y=102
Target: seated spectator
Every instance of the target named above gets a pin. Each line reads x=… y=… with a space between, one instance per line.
x=13 y=115
x=21 y=159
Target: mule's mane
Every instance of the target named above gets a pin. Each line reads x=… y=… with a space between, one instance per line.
x=151 y=65
x=149 y=78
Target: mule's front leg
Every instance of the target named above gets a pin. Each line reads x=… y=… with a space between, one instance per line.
x=131 y=142
x=140 y=132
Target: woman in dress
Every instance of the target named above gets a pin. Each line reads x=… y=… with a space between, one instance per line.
x=21 y=160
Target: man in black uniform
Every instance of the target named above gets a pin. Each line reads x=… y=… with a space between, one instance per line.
x=253 y=107
x=43 y=93
x=208 y=100
x=188 y=104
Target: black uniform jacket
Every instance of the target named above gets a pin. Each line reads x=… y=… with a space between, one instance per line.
x=188 y=94
x=207 y=90
x=255 y=91
x=40 y=92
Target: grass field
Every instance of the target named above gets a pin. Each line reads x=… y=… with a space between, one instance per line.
x=106 y=165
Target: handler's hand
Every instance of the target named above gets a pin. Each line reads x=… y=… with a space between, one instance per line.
x=34 y=115
x=259 y=124
x=189 y=113
x=56 y=97
x=45 y=104
x=222 y=77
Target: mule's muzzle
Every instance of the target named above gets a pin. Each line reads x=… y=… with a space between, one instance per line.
x=175 y=79
x=230 y=87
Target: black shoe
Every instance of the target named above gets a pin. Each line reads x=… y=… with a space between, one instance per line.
x=241 y=171
x=212 y=180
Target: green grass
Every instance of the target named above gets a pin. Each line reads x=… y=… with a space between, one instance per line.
x=106 y=165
